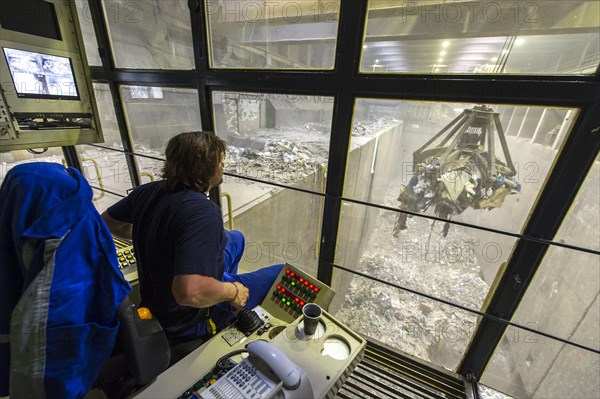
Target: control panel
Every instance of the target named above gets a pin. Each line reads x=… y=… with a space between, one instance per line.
x=293 y=289
x=127 y=260
x=282 y=362
x=287 y=365
x=243 y=381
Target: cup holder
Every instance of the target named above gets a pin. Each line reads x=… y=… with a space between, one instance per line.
x=336 y=347
x=319 y=333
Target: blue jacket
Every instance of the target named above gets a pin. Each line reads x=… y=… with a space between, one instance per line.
x=60 y=285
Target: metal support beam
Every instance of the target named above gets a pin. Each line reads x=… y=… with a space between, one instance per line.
x=72 y=158
x=108 y=66
x=351 y=27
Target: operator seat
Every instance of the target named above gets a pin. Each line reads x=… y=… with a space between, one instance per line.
x=142 y=352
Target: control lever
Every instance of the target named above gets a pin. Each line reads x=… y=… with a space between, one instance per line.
x=248 y=321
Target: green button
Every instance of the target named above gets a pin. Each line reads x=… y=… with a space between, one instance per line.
x=288 y=303
x=282 y=299
x=293 y=283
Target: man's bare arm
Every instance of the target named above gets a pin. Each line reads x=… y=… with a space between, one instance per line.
x=118 y=228
x=201 y=291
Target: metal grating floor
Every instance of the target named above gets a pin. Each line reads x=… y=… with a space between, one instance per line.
x=383 y=373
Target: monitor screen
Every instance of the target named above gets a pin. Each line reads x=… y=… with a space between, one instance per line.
x=38 y=75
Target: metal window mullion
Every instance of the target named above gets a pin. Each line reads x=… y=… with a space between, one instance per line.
x=108 y=65
x=144 y=77
x=350 y=33
x=200 y=44
x=72 y=158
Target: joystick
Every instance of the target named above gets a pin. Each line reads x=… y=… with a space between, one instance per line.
x=248 y=321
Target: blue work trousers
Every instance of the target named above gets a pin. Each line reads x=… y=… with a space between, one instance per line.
x=258 y=283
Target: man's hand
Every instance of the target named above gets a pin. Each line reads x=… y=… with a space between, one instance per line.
x=240 y=296
x=203 y=291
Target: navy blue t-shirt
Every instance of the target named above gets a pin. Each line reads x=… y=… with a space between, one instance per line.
x=173 y=233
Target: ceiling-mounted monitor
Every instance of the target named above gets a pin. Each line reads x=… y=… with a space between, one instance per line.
x=39 y=75
x=48 y=101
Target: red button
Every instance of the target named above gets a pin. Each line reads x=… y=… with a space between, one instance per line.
x=287 y=271
x=278 y=287
x=311 y=286
x=316 y=289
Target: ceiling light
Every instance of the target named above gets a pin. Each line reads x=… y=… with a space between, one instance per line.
x=440 y=59
x=504 y=51
x=445 y=44
x=494 y=59
x=443 y=53
x=377 y=60
x=364 y=46
x=519 y=41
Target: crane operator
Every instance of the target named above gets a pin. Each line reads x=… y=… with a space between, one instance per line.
x=188 y=263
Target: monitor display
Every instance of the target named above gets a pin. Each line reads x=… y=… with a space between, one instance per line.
x=38 y=75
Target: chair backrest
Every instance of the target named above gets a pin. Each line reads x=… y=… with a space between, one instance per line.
x=144 y=344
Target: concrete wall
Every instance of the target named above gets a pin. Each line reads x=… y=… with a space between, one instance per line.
x=563 y=300
x=284 y=227
x=154 y=121
x=369 y=171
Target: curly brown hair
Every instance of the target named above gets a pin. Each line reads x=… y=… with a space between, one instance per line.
x=192 y=159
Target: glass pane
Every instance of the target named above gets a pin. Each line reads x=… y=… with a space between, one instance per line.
x=102 y=199
x=267 y=242
x=150 y=34
x=272 y=35
x=427 y=329
x=486 y=392
x=10 y=159
x=459 y=267
x=106 y=169
x=150 y=168
x=154 y=115
x=545 y=37
x=527 y=365
x=450 y=160
x=282 y=138
x=273 y=137
x=561 y=300
x=88 y=33
x=580 y=227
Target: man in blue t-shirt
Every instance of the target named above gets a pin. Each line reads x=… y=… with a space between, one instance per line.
x=187 y=261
